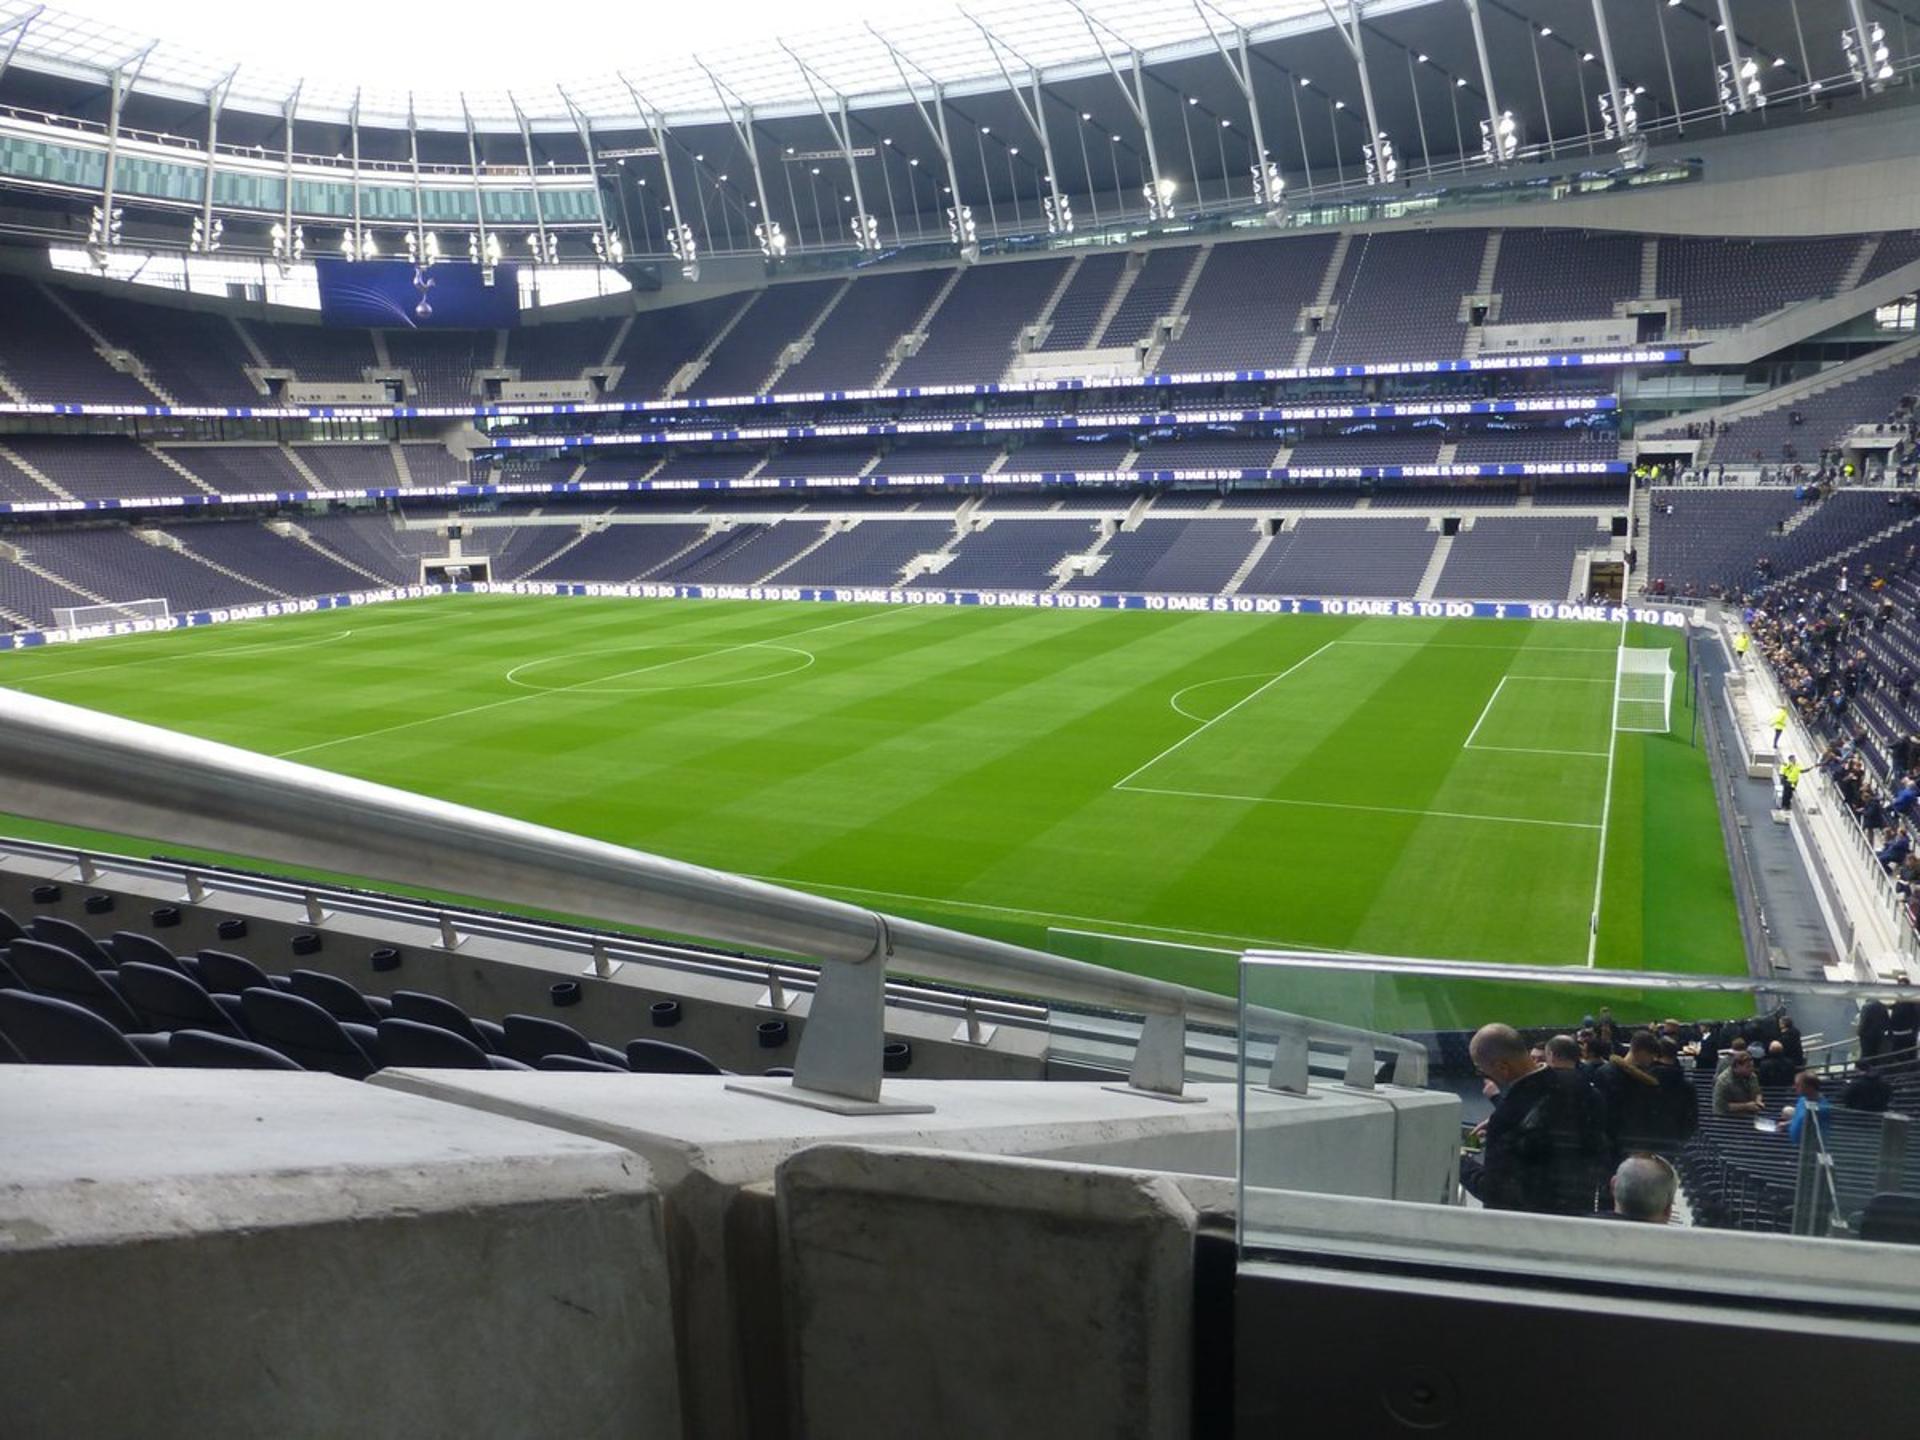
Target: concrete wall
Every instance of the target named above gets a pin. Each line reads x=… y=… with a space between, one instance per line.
x=199 y=1253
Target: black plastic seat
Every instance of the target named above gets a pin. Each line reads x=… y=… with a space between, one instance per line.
x=1892 y=1219
x=531 y=1038
x=303 y=1032
x=338 y=998
x=167 y=1000
x=132 y=945
x=204 y=1050
x=50 y=1031
x=50 y=970
x=574 y=1062
x=223 y=973
x=69 y=936
x=657 y=1057
x=428 y=1047
x=425 y=1009
x=9 y=929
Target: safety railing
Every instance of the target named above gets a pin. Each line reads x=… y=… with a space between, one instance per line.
x=75 y=766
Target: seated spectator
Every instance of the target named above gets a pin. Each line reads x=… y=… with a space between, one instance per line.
x=1806 y=1088
x=1545 y=1141
x=1736 y=1089
x=1791 y=1045
x=1643 y=1190
x=1735 y=1048
x=1866 y=1090
x=1650 y=1106
x=1776 y=1069
x=1895 y=851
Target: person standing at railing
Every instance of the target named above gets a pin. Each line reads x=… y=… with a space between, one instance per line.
x=1742 y=642
x=1790 y=774
x=1779 y=725
x=1809 y=1101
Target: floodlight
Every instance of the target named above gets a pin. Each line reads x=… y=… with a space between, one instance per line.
x=1460 y=82
x=205 y=239
x=369 y=250
x=1383 y=165
x=772 y=239
x=1499 y=140
x=1268 y=186
x=1059 y=212
x=866 y=234
x=1619 y=114
x=1871 y=63
x=347 y=247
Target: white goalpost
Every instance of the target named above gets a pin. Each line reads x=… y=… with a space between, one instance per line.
x=1643 y=690
x=78 y=617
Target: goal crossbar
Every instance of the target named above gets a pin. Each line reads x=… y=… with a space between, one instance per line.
x=1643 y=690
x=79 y=617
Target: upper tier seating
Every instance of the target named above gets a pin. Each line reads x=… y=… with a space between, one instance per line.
x=1084 y=301
x=45 y=356
x=1399 y=295
x=315 y=353
x=98 y=467
x=1498 y=558
x=1774 y=435
x=275 y=561
x=973 y=333
x=620 y=553
x=1152 y=295
x=850 y=348
x=195 y=357
x=815 y=460
x=1726 y=283
x=1245 y=310
x=1538 y=446
x=1209 y=452
x=754 y=553
x=441 y=363
x=662 y=341
x=934 y=458
x=350 y=467
x=240 y=469
x=1195 y=557
x=1384 y=558
x=1412 y=447
x=1545 y=275
x=741 y=363
x=871 y=553
x=1713 y=539
x=373 y=542
x=1043 y=456
x=1897 y=248
x=560 y=352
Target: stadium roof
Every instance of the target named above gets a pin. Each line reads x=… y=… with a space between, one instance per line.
x=937 y=42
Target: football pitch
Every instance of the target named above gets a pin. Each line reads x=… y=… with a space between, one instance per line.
x=1151 y=790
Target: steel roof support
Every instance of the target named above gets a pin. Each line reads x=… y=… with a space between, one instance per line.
x=742 y=125
x=419 y=210
x=934 y=117
x=120 y=81
x=286 y=176
x=17 y=28
x=1666 y=52
x=1486 y=77
x=1350 y=32
x=842 y=132
x=479 y=196
x=1239 y=63
x=656 y=123
x=1540 y=79
x=1300 y=129
x=1034 y=114
x=1859 y=12
x=1614 y=90
x=1136 y=97
x=585 y=131
x=533 y=176
x=1733 y=54
x=353 y=130
x=1419 y=115
x=216 y=101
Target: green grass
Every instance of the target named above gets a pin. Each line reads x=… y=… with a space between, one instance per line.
x=1206 y=781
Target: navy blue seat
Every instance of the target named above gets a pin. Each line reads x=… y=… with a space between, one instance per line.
x=204 y=1050
x=338 y=998
x=224 y=973
x=167 y=1000
x=424 y=1009
x=657 y=1057
x=70 y=937
x=132 y=945
x=531 y=1038
x=50 y=1031
x=49 y=970
x=302 y=1031
x=9 y=929
x=428 y=1047
x=574 y=1062
x=1892 y=1219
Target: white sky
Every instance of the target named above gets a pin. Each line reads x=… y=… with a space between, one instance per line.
x=479 y=44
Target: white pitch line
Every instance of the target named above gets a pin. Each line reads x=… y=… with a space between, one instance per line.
x=1566 y=679
x=1209 y=724
x=1455 y=645
x=1485 y=711
x=180 y=658
x=1022 y=911
x=1531 y=750
x=597 y=680
x=1371 y=809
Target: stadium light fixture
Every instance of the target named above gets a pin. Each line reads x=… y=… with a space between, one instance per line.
x=1383 y=165
x=1741 y=92
x=963 y=232
x=205 y=239
x=1870 y=63
x=1499 y=142
x=1059 y=212
x=1422 y=58
x=1546 y=32
x=1268 y=184
x=771 y=239
x=1459 y=82
x=104 y=229
x=1619 y=114
x=866 y=233
x=1159 y=195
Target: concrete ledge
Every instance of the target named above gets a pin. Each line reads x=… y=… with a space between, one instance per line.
x=936 y=1295
x=199 y=1253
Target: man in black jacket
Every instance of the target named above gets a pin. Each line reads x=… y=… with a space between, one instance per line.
x=1545 y=1141
x=1649 y=1104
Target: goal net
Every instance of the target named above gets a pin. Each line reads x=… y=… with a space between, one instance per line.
x=78 y=617
x=1643 y=690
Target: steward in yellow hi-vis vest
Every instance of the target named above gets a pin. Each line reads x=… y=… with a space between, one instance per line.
x=1790 y=774
x=1779 y=725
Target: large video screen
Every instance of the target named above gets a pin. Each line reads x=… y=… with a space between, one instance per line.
x=399 y=295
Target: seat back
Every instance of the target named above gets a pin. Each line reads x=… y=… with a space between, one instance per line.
x=49 y=1031
x=408 y=1042
x=167 y=1000
x=132 y=945
x=203 y=1050
x=50 y=970
x=10 y=929
x=424 y=1009
x=657 y=1057
x=224 y=973
x=70 y=937
x=531 y=1038
x=1891 y=1218
x=302 y=1031
x=333 y=995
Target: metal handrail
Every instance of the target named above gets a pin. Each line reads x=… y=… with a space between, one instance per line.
x=76 y=766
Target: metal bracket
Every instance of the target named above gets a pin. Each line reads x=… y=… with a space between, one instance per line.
x=450 y=938
x=775 y=996
x=196 y=890
x=972 y=1030
x=603 y=966
x=316 y=916
x=1289 y=1073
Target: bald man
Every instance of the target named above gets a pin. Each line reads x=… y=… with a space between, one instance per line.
x=1546 y=1139
x=1643 y=1190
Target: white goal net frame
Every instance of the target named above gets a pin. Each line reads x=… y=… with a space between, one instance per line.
x=79 y=617
x=1643 y=690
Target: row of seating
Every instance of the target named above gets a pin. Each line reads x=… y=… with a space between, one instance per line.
x=69 y=998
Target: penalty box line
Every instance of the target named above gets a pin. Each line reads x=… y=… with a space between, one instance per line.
x=1487 y=710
